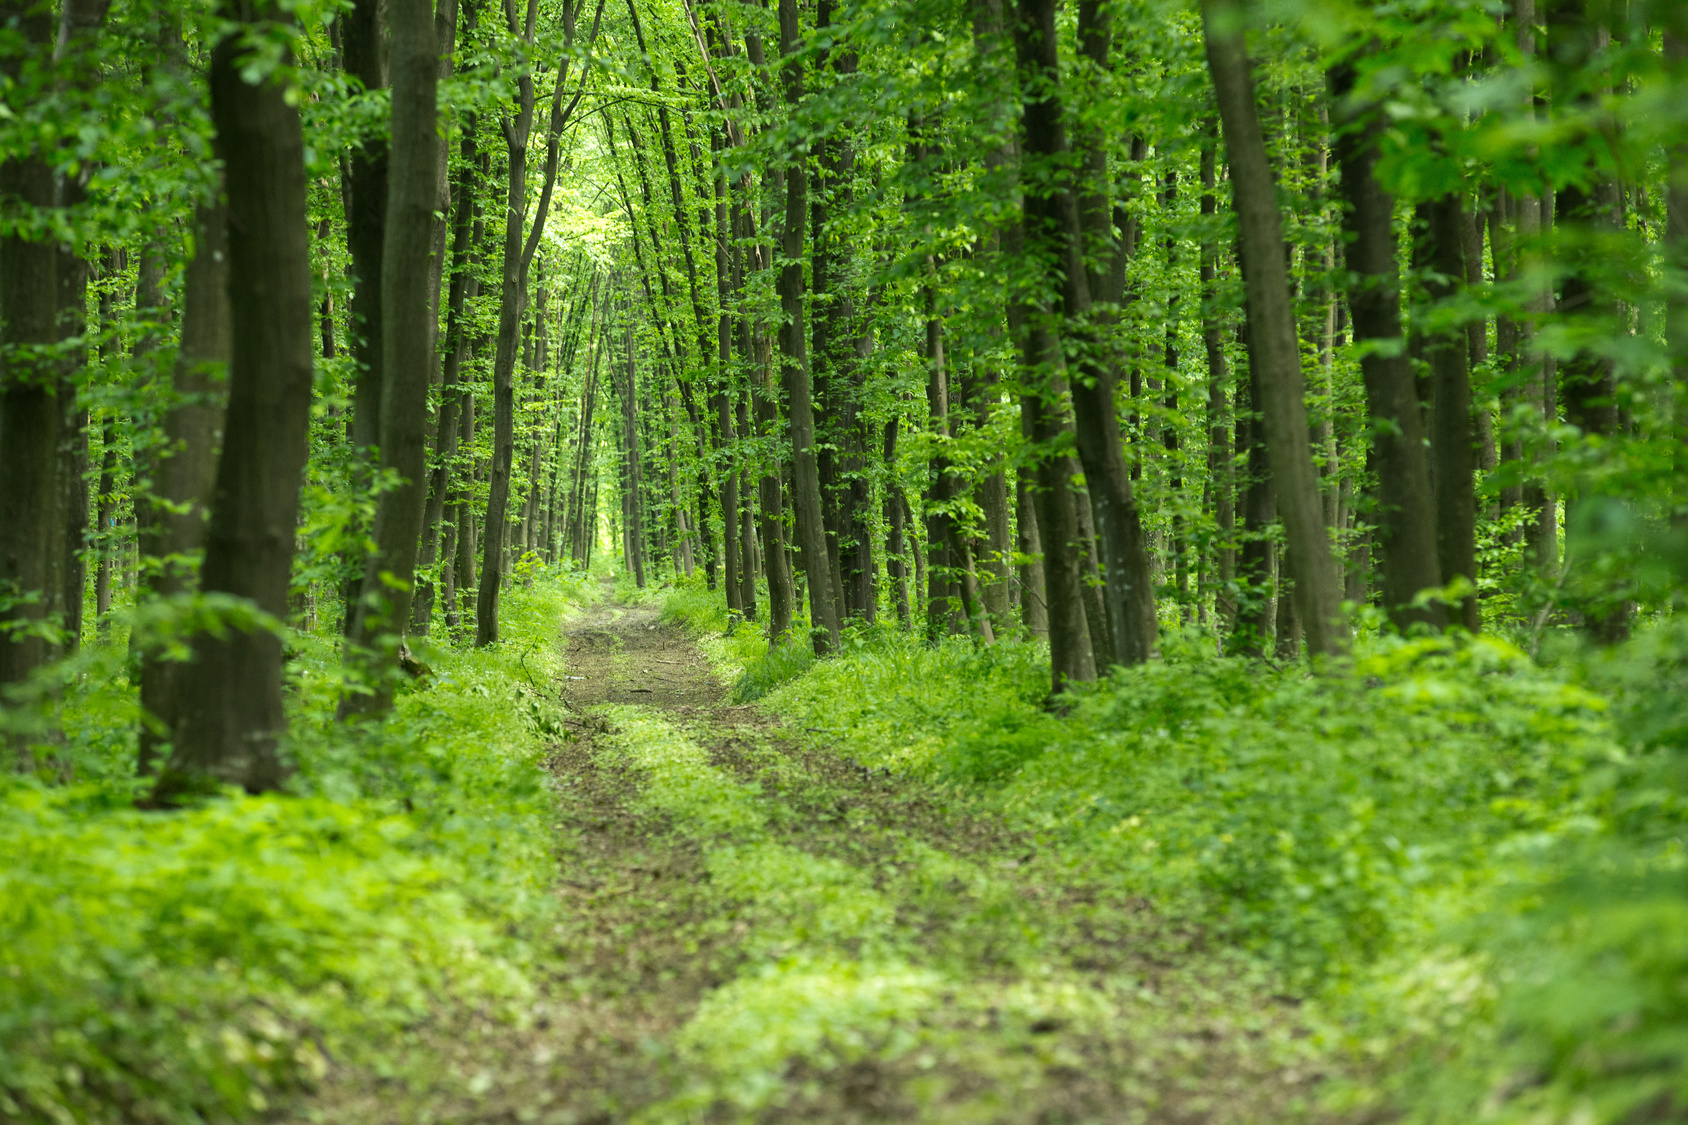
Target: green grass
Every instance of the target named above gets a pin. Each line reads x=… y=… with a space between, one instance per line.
x=194 y=965
x=1469 y=861
x=738 y=649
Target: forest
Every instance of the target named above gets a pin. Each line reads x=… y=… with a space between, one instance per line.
x=669 y=561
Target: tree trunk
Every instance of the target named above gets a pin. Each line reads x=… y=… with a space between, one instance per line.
x=1451 y=440
x=746 y=521
x=407 y=317
x=1253 y=623
x=1405 y=512
x=363 y=55
x=1055 y=239
x=229 y=704
x=186 y=472
x=1221 y=460
x=451 y=395
x=31 y=416
x=896 y=547
x=1272 y=331
x=811 y=531
x=632 y=479
x=1034 y=611
x=781 y=603
x=518 y=254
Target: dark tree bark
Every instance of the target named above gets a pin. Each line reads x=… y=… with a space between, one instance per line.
x=994 y=49
x=1056 y=240
x=811 y=530
x=105 y=498
x=229 y=707
x=1034 y=612
x=1405 y=512
x=1031 y=313
x=896 y=547
x=31 y=416
x=1451 y=440
x=451 y=395
x=771 y=501
x=1253 y=623
x=1221 y=460
x=455 y=226
x=186 y=468
x=364 y=56
x=407 y=349
x=1295 y=482
x=1592 y=205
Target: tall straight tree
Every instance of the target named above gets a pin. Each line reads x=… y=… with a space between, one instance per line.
x=811 y=529
x=407 y=352
x=1405 y=508
x=1451 y=441
x=229 y=706
x=31 y=416
x=518 y=257
x=364 y=55
x=1044 y=244
x=1271 y=324
x=440 y=479
x=186 y=468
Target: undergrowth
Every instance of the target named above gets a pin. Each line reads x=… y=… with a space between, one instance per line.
x=194 y=965
x=1472 y=861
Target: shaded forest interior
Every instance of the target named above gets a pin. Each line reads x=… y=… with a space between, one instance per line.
x=1325 y=362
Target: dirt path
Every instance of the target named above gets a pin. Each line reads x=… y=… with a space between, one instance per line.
x=756 y=929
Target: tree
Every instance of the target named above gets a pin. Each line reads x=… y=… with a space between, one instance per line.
x=229 y=716
x=1271 y=326
x=407 y=356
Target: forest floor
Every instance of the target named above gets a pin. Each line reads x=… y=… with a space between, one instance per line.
x=756 y=928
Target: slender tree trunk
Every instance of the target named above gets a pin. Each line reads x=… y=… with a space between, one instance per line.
x=376 y=638
x=896 y=546
x=520 y=244
x=1055 y=238
x=1451 y=442
x=1034 y=611
x=1272 y=332
x=632 y=483
x=186 y=474
x=1253 y=624
x=364 y=58
x=1221 y=460
x=746 y=519
x=451 y=396
x=811 y=531
x=31 y=416
x=455 y=226
x=781 y=601
x=229 y=704
x=1405 y=513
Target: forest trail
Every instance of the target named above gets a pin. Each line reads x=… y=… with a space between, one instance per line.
x=755 y=928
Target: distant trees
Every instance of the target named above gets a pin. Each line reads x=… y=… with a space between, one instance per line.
x=792 y=295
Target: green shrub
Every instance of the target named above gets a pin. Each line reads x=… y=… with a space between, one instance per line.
x=1474 y=861
x=193 y=964
x=1298 y=815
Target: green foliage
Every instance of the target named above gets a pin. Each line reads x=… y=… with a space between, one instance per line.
x=1474 y=862
x=1297 y=815
x=193 y=964
x=738 y=649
